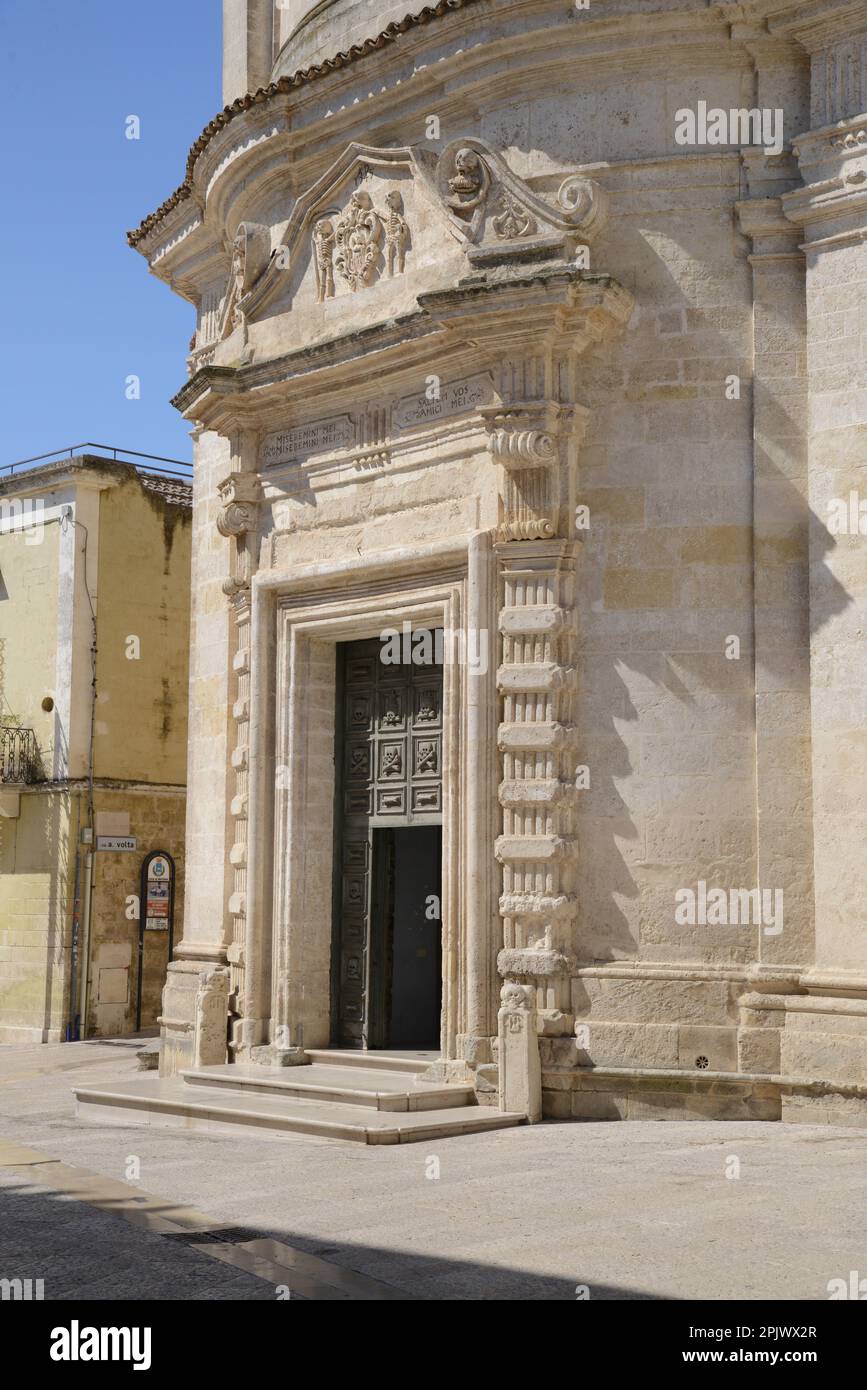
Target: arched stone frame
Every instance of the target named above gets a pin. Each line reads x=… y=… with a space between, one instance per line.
x=298 y=619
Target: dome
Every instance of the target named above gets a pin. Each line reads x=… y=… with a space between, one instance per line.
x=309 y=33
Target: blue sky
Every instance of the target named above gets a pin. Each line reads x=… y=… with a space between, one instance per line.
x=81 y=311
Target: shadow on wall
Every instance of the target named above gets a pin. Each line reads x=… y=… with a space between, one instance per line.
x=669 y=570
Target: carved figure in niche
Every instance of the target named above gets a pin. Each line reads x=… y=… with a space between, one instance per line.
x=251 y=248
x=396 y=233
x=513 y=220
x=468 y=185
x=238 y=273
x=323 y=249
x=358 y=238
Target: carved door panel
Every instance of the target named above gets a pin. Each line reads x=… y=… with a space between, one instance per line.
x=389 y=751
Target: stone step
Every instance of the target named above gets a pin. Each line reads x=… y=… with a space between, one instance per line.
x=373 y=1088
x=407 y=1061
x=150 y=1100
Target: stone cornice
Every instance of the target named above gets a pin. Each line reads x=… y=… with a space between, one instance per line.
x=618 y=43
x=281 y=87
x=575 y=307
x=773 y=236
x=830 y=201
x=817 y=23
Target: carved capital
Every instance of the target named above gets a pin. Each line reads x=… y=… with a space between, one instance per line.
x=514 y=447
x=534 y=962
x=236 y=519
x=524 y=444
x=240 y=494
x=235 y=588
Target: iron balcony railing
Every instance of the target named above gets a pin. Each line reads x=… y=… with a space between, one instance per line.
x=172 y=468
x=19 y=756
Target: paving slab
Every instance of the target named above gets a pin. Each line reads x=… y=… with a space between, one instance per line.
x=632 y=1210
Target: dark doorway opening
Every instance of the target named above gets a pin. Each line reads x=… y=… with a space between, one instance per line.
x=407 y=965
x=387 y=950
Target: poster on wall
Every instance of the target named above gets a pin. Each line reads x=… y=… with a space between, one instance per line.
x=158 y=894
x=157 y=911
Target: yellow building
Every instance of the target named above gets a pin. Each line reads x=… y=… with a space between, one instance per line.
x=94 y=639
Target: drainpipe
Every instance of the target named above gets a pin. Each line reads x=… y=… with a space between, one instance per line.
x=76 y=1026
x=72 y=1023
x=85 y=953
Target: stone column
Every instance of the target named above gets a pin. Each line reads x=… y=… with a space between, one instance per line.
x=781 y=650
x=238 y=522
x=537 y=793
x=482 y=923
x=833 y=211
x=533 y=444
x=202 y=948
x=826 y=1031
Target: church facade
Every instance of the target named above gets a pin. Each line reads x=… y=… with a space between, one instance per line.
x=527 y=719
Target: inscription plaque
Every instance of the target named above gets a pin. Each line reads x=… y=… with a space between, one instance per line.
x=320 y=437
x=454 y=398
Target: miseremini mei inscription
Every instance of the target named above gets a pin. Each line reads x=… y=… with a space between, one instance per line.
x=288 y=446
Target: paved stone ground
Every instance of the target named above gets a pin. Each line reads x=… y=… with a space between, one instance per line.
x=634 y=1211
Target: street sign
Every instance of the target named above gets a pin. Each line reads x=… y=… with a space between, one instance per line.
x=117 y=843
